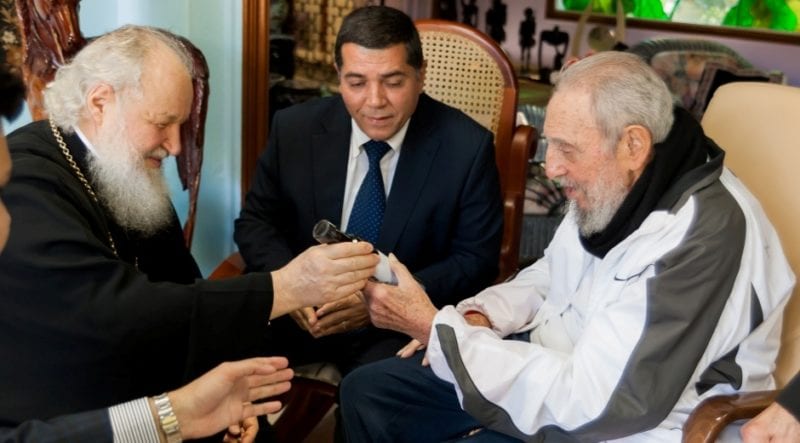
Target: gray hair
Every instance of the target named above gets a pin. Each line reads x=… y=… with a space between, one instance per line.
x=623 y=91
x=115 y=59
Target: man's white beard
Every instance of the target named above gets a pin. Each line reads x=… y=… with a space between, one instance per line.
x=137 y=196
x=604 y=200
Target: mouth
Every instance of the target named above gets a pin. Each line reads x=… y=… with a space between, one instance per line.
x=378 y=121
x=153 y=162
x=154 y=159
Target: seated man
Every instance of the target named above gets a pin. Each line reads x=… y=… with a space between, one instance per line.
x=436 y=186
x=664 y=284
x=102 y=302
x=220 y=398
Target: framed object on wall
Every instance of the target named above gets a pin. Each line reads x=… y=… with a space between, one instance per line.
x=771 y=20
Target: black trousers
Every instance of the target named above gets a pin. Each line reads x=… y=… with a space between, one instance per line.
x=399 y=400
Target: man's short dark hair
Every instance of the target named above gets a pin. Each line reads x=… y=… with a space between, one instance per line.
x=379 y=27
x=12 y=91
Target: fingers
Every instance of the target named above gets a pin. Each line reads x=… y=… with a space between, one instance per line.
x=250 y=430
x=269 y=390
x=250 y=367
x=284 y=374
x=404 y=277
x=337 y=322
x=345 y=249
x=410 y=349
x=337 y=305
x=268 y=407
x=306 y=318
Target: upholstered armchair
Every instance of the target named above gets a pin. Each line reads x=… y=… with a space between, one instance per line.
x=758 y=126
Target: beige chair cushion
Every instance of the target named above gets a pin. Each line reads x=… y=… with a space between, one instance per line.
x=758 y=126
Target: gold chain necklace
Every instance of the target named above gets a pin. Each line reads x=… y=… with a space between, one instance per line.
x=77 y=170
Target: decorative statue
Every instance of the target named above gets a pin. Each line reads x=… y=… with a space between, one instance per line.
x=559 y=40
x=469 y=13
x=496 y=21
x=51 y=35
x=447 y=10
x=527 y=38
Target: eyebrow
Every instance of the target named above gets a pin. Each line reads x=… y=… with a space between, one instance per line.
x=356 y=75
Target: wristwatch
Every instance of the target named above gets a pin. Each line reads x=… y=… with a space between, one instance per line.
x=169 y=422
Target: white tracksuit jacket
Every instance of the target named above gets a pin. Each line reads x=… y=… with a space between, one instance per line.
x=689 y=305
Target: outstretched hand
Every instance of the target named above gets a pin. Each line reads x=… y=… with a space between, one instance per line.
x=321 y=274
x=404 y=308
x=224 y=396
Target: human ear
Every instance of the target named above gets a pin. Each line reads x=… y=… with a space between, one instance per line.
x=97 y=101
x=636 y=147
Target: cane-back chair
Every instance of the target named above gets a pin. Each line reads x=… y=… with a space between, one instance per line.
x=467 y=70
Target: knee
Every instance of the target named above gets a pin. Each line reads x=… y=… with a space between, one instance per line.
x=354 y=385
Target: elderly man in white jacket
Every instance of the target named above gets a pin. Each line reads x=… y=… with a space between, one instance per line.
x=664 y=284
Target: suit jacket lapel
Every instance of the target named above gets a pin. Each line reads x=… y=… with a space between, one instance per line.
x=329 y=150
x=416 y=157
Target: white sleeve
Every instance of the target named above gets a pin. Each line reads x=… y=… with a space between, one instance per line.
x=133 y=422
x=511 y=306
x=519 y=386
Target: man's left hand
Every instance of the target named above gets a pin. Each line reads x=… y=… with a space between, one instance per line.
x=346 y=314
x=404 y=308
x=245 y=432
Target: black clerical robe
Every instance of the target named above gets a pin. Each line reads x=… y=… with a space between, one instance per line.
x=82 y=328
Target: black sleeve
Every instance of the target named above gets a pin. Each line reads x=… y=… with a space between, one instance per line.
x=93 y=426
x=789 y=397
x=260 y=230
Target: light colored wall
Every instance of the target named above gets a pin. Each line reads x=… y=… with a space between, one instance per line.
x=214 y=26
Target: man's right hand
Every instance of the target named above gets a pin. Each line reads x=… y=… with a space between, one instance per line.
x=321 y=274
x=304 y=317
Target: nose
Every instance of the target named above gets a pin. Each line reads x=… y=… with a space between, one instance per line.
x=376 y=96
x=172 y=141
x=553 y=164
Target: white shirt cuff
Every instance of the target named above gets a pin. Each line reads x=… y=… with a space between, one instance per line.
x=133 y=422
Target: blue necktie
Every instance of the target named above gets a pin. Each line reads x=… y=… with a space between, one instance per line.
x=367 y=214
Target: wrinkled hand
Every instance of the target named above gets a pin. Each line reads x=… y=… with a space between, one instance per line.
x=404 y=308
x=304 y=317
x=774 y=424
x=478 y=319
x=321 y=274
x=411 y=348
x=242 y=433
x=223 y=396
x=345 y=314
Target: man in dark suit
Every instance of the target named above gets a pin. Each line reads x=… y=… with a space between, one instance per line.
x=438 y=186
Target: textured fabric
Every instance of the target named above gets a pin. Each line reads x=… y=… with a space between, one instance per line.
x=367 y=214
x=133 y=422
